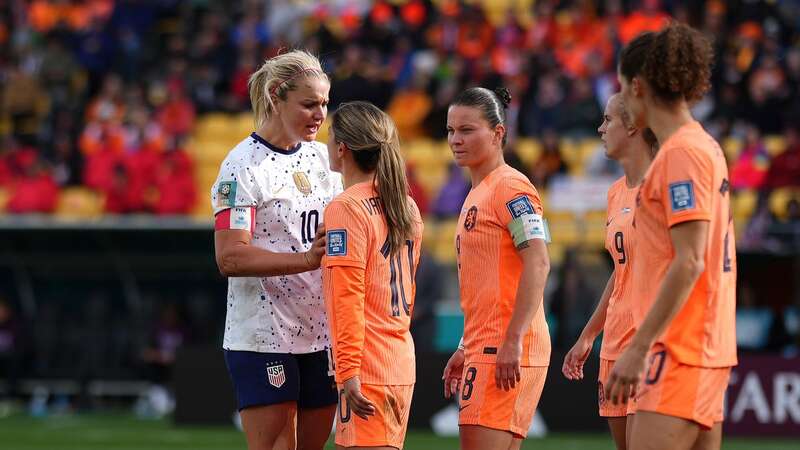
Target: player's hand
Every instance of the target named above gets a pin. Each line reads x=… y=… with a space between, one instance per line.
x=576 y=357
x=317 y=250
x=453 y=372
x=625 y=376
x=506 y=373
x=358 y=403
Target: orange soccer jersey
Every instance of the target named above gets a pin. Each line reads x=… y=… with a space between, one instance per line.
x=619 y=326
x=489 y=268
x=369 y=294
x=687 y=181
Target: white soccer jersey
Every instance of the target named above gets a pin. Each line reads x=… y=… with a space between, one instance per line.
x=279 y=195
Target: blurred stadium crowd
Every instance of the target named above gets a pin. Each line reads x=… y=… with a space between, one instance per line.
x=117 y=107
x=108 y=95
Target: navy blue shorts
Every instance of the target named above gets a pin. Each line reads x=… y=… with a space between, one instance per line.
x=271 y=378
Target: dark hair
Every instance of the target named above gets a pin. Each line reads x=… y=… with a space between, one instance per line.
x=675 y=62
x=492 y=104
x=371 y=135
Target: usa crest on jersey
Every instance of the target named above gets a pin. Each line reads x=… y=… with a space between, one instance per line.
x=276 y=375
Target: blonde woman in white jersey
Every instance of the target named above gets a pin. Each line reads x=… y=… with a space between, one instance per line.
x=268 y=200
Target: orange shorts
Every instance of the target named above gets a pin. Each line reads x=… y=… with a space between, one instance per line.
x=678 y=390
x=608 y=409
x=482 y=403
x=386 y=428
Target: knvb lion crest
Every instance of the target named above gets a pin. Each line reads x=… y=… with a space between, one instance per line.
x=302 y=182
x=471 y=218
x=276 y=375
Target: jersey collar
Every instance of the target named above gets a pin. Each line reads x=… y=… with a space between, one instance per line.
x=275 y=149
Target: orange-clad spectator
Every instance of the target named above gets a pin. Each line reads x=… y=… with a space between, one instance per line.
x=540 y=34
x=177 y=114
x=109 y=104
x=44 y=15
x=443 y=35
x=577 y=38
x=475 y=37
x=768 y=78
x=143 y=134
x=409 y=107
x=35 y=192
x=413 y=13
x=102 y=136
x=649 y=18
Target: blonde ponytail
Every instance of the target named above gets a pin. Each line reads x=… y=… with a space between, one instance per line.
x=390 y=176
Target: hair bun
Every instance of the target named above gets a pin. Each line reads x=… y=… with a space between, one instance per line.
x=503 y=95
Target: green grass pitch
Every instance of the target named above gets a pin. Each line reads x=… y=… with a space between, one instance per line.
x=124 y=432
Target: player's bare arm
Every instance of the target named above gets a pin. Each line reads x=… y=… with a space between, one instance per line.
x=689 y=241
x=237 y=258
x=530 y=294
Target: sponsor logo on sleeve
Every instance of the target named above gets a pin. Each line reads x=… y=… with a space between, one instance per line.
x=226 y=193
x=520 y=206
x=681 y=196
x=337 y=243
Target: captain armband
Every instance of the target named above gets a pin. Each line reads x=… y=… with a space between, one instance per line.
x=527 y=227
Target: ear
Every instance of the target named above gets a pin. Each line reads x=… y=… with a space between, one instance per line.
x=499 y=132
x=632 y=131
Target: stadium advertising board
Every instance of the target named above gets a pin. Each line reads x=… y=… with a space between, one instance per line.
x=764 y=397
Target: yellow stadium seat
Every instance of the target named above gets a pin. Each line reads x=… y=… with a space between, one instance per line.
x=431 y=177
x=244 y=124
x=528 y=150
x=556 y=251
x=743 y=203
x=587 y=147
x=779 y=198
x=421 y=152
x=563 y=227
x=429 y=233
x=775 y=145
x=731 y=146
x=444 y=249
x=213 y=124
x=570 y=152
x=79 y=203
